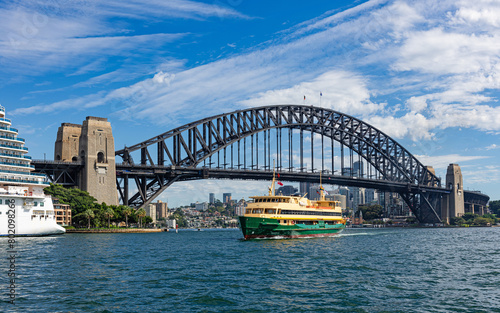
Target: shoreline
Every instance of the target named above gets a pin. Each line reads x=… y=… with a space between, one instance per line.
x=114 y=230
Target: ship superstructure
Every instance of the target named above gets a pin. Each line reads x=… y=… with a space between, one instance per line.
x=24 y=208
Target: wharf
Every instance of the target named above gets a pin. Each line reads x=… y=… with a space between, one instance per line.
x=114 y=230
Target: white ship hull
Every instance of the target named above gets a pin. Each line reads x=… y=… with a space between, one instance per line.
x=21 y=217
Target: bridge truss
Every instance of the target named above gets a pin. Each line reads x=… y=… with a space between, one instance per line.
x=304 y=141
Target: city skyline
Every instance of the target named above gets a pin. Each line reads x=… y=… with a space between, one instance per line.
x=425 y=73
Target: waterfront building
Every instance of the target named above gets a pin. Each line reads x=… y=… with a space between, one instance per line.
x=239 y=209
x=226 y=197
x=161 y=209
x=62 y=213
x=201 y=206
x=151 y=211
x=171 y=224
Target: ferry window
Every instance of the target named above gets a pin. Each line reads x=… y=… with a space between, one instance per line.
x=35 y=204
x=257 y=211
x=249 y=211
x=270 y=211
x=0 y=201
x=42 y=203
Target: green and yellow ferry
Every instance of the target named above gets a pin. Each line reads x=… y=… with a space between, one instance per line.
x=278 y=216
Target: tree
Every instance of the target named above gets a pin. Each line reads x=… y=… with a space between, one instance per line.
x=180 y=218
x=88 y=214
x=127 y=211
x=148 y=220
x=495 y=207
x=469 y=217
x=140 y=214
x=372 y=212
x=109 y=213
x=457 y=220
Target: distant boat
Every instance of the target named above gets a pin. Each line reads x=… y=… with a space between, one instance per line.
x=276 y=217
x=24 y=208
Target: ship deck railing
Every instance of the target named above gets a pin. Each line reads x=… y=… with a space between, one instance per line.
x=13 y=138
x=14 y=147
x=9 y=128
x=22 y=173
x=24 y=181
x=17 y=164
x=15 y=156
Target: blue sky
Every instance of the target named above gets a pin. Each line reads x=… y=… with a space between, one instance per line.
x=425 y=72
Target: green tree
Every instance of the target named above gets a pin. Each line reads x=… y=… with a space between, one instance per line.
x=180 y=218
x=140 y=214
x=147 y=220
x=495 y=207
x=372 y=212
x=109 y=213
x=88 y=214
x=457 y=221
x=469 y=217
x=482 y=221
x=79 y=200
x=127 y=211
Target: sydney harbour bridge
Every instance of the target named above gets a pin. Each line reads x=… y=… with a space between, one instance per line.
x=299 y=142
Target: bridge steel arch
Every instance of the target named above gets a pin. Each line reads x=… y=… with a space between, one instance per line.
x=192 y=145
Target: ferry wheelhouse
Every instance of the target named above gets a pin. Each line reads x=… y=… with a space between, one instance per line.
x=24 y=208
x=278 y=216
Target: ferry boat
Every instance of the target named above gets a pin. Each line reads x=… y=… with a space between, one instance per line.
x=24 y=208
x=277 y=216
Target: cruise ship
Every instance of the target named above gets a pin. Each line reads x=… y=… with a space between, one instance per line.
x=24 y=208
x=282 y=217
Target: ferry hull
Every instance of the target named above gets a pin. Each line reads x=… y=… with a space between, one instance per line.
x=265 y=228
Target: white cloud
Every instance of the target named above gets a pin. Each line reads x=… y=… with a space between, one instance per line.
x=342 y=91
x=492 y=147
x=440 y=162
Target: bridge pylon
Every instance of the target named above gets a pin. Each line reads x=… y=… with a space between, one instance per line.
x=91 y=143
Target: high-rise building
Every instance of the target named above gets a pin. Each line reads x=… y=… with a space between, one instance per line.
x=226 y=198
x=357 y=169
x=287 y=190
x=369 y=196
x=304 y=188
x=347 y=193
x=151 y=211
x=211 y=197
x=161 y=210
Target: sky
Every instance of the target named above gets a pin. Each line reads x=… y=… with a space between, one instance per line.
x=425 y=72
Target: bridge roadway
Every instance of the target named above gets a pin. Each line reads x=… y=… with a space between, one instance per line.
x=189 y=173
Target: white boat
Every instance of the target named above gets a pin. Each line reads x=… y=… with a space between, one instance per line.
x=24 y=209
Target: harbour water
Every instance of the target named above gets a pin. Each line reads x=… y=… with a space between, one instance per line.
x=361 y=270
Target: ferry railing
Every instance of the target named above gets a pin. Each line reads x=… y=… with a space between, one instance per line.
x=3 y=119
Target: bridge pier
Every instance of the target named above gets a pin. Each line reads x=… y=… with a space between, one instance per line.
x=91 y=143
x=453 y=204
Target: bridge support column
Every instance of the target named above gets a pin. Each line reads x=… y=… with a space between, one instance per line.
x=455 y=200
x=93 y=143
